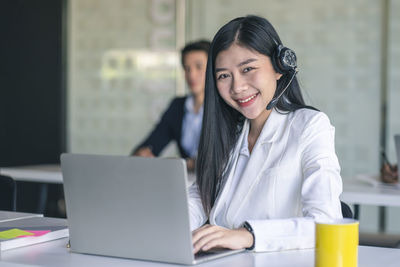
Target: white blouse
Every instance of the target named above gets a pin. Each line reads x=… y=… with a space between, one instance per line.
x=290 y=180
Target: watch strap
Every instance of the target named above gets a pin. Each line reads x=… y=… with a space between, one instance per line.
x=248 y=227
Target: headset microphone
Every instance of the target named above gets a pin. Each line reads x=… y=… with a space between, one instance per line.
x=283 y=60
x=275 y=100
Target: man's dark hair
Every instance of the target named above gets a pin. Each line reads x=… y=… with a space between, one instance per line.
x=200 y=45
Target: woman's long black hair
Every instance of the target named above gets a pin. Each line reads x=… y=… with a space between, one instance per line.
x=221 y=123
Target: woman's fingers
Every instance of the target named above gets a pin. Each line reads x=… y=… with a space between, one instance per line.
x=209 y=236
x=203 y=231
x=215 y=243
x=200 y=229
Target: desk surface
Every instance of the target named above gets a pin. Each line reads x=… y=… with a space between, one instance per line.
x=357 y=192
x=6 y=216
x=55 y=253
x=49 y=173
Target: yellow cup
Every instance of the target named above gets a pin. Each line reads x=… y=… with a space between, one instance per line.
x=336 y=243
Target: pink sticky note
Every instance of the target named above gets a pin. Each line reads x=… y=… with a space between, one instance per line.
x=36 y=233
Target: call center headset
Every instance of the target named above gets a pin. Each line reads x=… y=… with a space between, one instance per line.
x=284 y=61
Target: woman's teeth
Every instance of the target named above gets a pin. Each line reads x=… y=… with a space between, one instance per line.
x=247 y=99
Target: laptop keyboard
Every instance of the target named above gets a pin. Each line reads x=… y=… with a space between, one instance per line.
x=203 y=254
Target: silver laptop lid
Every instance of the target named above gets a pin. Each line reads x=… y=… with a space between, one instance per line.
x=128 y=207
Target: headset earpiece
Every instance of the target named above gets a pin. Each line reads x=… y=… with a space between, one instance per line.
x=284 y=59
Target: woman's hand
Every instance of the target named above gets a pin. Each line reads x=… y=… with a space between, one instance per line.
x=211 y=236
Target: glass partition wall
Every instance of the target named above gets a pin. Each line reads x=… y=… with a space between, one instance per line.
x=124 y=68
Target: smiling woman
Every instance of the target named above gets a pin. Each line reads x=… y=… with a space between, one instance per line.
x=263 y=175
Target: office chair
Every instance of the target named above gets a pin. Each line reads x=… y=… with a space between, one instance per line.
x=8 y=193
x=346 y=211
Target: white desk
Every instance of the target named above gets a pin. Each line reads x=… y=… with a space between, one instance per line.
x=55 y=253
x=49 y=173
x=361 y=193
x=9 y=264
x=6 y=216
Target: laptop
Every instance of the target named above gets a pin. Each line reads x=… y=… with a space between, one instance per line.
x=130 y=207
x=397 y=142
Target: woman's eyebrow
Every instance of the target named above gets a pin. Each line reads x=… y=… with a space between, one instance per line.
x=247 y=61
x=219 y=69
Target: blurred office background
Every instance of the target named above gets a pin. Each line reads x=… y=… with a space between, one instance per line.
x=93 y=76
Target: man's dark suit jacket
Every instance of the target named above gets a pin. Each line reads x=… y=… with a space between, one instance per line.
x=168 y=128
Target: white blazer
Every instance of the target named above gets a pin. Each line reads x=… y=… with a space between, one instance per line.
x=291 y=180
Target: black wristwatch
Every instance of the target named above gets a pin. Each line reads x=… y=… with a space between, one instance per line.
x=248 y=227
